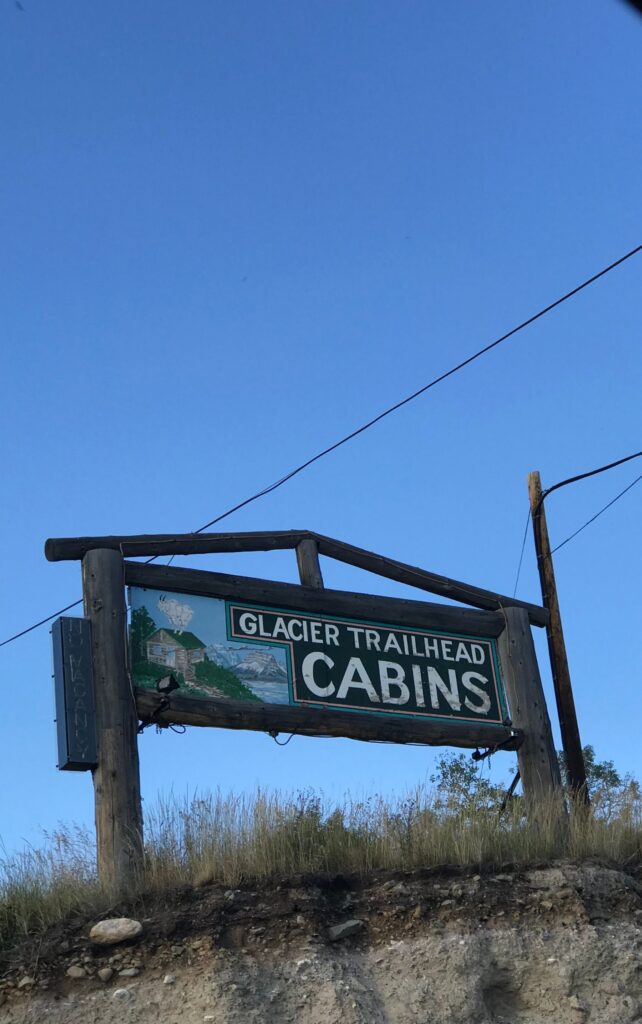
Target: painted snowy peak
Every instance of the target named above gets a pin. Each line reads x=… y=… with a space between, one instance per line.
x=261 y=665
x=248 y=663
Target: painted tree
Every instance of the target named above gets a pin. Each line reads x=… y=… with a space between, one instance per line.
x=142 y=627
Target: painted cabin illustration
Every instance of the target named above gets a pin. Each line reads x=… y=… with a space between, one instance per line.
x=179 y=650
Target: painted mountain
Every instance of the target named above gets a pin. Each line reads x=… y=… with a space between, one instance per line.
x=261 y=666
x=248 y=662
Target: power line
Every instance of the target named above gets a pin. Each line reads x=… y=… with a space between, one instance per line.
x=41 y=623
x=584 y=476
x=382 y=415
x=420 y=391
x=521 y=554
x=598 y=514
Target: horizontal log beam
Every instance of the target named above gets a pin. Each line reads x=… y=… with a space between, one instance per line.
x=298 y=721
x=64 y=549
x=424 y=580
x=389 y=610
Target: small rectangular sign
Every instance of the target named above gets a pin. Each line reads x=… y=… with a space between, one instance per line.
x=74 y=694
x=246 y=651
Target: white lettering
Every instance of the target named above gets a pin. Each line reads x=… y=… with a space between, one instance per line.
x=355 y=630
x=451 y=693
x=413 y=644
x=372 y=640
x=480 y=709
x=247 y=622
x=315 y=633
x=431 y=647
x=356 y=677
x=445 y=650
x=307 y=669
x=293 y=635
x=419 y=686
x=463 y=654
x=331 y=634
x=280 y=628
x=392 y=674
x=479 y=655
x=391 y=643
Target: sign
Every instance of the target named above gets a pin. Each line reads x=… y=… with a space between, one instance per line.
x=74 y=695
x=245 y=651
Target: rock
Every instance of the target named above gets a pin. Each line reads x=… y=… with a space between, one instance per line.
x=169 y=979
x=26 y=982
x=129 y=972
x=342 y=931
x=178 y=950
x=115 y=930
x=106 y=973
x=122 y=995
x=76 y=971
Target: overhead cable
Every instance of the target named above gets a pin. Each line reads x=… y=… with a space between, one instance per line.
x=382 y=415
x=598 y=514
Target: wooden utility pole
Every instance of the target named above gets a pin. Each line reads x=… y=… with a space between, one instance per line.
x=569 y=728
x=536 y=756
x=119 y=827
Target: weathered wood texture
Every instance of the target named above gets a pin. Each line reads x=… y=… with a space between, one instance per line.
x=430 y=581
x=569 y=726
x=537 y=759
x=310 y=722
x=62 y=549
x=395 y=611
x=59 y=549
x=307 y=557
x=117 y=778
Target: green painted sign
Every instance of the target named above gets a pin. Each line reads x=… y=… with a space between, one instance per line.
x=233 y=650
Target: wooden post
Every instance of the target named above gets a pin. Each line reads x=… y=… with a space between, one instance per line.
x=307 y=557
x=116 y=779
x=569 y=728
x=536 y=757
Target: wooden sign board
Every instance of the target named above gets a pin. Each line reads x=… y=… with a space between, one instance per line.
x=254 y=652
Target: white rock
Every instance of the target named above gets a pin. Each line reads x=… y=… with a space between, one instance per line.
x=75 y=971
x=115 y=930
x=122 y=995
x=129 y=972
x=106 y=973
x=169 y=979
x=26 y=982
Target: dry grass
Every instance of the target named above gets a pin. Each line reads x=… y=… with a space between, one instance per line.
x=233 y=839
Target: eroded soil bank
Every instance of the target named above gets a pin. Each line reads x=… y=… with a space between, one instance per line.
x=560 y=943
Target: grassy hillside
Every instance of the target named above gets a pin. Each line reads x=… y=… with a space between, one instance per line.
x=234 y=839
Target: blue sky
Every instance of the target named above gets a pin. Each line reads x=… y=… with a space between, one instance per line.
x=233 y=232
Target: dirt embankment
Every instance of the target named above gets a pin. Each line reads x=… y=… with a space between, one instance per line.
x=560 y=944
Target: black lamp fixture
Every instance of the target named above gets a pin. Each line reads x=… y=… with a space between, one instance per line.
x=167 y=684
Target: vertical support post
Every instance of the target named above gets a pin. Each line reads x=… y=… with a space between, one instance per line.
x=569 y=727
x=119 y=830
x=536 y=757
x=307 y=557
